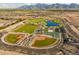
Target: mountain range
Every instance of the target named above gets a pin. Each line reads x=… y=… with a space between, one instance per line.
x=51 y=6
x=38 y=6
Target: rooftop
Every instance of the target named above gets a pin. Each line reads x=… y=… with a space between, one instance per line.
x=51 y=23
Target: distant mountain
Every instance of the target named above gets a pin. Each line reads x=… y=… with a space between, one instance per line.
x=35 y=6
x=38 y=6
x=51 y=6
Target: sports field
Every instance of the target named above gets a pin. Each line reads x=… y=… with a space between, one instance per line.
x=26 y=28
x=13 y=38
x=42 y=42
x=36 y=20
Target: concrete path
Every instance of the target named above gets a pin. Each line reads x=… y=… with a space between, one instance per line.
x=12 y=26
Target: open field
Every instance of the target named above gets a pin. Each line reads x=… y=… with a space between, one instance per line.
x=26 y=28
x=42 y=41
x=35 y=20
x=13 y=38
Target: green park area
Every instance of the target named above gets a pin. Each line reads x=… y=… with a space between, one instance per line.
x=43 y=43
x=36 y=20
x=26 y=28
x=13 y=38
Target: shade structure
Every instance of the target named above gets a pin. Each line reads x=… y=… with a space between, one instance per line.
x=51 y=23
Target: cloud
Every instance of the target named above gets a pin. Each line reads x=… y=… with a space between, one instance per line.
x=10 y=5
x=39 y=1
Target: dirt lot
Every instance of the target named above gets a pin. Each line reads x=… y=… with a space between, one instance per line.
x=2 y=52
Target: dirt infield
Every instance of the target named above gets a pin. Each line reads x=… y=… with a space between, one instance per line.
x=42 y=41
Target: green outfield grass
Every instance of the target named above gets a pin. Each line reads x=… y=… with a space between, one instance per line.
x=11 y=38
x=43 y=43
x=27 y=28
x=35 y=20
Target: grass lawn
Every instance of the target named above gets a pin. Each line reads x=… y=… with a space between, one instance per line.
x=35 y=20
x=42 y=43
x=27 y=28
x=11 y=38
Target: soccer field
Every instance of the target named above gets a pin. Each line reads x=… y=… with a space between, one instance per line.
x=26 y=28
